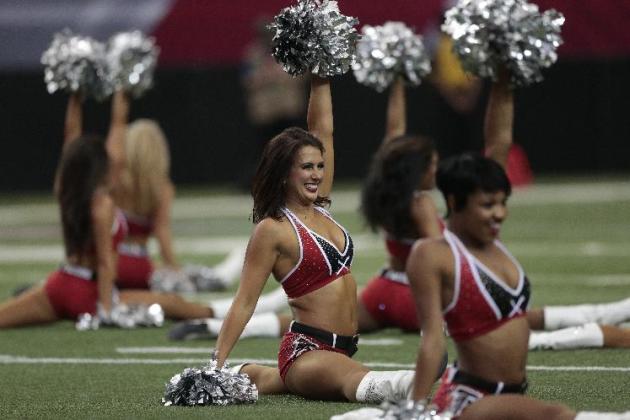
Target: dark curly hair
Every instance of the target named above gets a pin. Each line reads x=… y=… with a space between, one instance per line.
x=83 y=168
x=268 y=188
x=395 y=173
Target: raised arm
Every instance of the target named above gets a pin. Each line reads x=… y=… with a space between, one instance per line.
x=396 y=122
x=320 y=123
x=424 y=272
x=499 y=122
x=115 y=143
x=73 y=126
x=162 y=229
x=102 y=219
x=425 y=216
x=262 y=253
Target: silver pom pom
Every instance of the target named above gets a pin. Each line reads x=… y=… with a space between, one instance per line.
x=168 y=280
x=314 y=36
x=386 y=51
x=75 y=63
x=123 y=316
x=412 y=410
x=209 y=385
x=490 y=33
x=132 y=58
x=204 y=278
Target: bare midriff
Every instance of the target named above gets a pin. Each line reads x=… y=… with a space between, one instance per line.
x=331 y=308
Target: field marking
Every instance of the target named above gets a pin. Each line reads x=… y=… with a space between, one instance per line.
x=608 y=280
x=9 y=359
x=222 y=205
x=366 y=244
x=209 y=350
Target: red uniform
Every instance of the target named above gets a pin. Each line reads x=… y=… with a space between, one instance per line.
x=387 y=297
x=134 y=263
x=482 y=302
x=73 y=290
x=319 y=263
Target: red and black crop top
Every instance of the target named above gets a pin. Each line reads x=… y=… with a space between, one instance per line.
x=119 y=231
x=481 y=301
x=400 y=248
x=139 y=225
x=319 y=263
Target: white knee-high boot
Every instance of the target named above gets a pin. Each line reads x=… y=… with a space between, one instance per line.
x=376 y=387
x=584 y=336
x=603 y=313
x=263 y=325
x=230 y=268
x=594 y=415
x=274 y=301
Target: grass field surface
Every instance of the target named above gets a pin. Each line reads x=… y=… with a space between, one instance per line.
x=572 y=238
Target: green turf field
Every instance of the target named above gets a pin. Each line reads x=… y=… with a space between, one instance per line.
x=573 y=238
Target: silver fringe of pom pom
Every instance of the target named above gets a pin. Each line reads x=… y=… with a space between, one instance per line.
x=192 y=278
x=76 y=63
x=386 y=51
x=412 y=410
x=401 y=410
x=132 y=58
x=512 y=33
x=168 y=280
x=209 y=385
x=205 y=279
x=123 y=316
x=314 y=36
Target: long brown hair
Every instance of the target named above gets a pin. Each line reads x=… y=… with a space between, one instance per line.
x=268 y=188
x=83 y=168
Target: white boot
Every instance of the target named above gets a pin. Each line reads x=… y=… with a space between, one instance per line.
x=376 y=387
x=613 y=313
x=593 y=415
x=274 y=301
x=230 y=268
x=263 y=325
x=584 y=336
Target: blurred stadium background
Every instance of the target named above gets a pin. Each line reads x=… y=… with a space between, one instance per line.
x=575 y=122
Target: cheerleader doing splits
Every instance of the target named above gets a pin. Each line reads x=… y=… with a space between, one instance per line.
x=298 y=241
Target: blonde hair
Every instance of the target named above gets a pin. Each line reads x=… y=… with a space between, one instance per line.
x=147 y=169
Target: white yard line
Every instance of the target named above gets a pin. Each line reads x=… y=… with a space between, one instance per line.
x=209 y=350
x=9 y=359
x=366 y=244
x=345 y=201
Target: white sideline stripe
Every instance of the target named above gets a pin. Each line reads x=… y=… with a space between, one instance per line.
x=8 y=359
x=343 y=201
x=365 y=243
x=209 y=350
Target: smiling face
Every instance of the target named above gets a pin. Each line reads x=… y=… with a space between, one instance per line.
x=305 y=176
x=481 y=218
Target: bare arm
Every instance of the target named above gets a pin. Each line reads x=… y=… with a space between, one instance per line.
x=262 y=253
x=115 y=142
x=102 y=220
x=163 y=226
x=396 y=123
x=425 y=216
x=424 y=272
x=499 y=121
x=320 y=123
x=73 y=126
